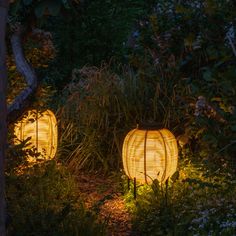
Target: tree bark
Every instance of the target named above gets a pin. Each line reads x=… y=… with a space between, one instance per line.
x=21 y=102
x=3 y=112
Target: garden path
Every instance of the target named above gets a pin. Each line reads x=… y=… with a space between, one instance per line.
x=103 y=195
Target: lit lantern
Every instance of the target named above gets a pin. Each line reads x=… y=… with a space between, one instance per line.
x=150 y=154
x=41 y=128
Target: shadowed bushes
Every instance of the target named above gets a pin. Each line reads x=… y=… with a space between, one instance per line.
x=44 y=200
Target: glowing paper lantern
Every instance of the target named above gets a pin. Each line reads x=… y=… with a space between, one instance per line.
x=149 y=155
x=41 y=128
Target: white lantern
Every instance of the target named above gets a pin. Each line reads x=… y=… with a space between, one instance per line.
x=41 y=128
x=150 y=154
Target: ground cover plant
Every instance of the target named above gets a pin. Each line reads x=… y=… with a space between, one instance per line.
x=195 y=201
x=43 y=199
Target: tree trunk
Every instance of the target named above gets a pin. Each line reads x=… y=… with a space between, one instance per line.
x=3 y=112
x=22 y=101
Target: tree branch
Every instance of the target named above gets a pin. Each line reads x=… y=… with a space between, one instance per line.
x=231 y=44
x=22 y=100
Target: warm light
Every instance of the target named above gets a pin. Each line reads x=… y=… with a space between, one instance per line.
x=149 y=155
x=41 y=127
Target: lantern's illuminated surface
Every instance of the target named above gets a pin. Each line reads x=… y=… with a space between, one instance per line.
x=149 y=155
x=41 y=128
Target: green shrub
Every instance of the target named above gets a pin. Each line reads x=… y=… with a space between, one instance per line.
x=186 y=49
x=198 y=202
x=44 y=200
x=92 y=32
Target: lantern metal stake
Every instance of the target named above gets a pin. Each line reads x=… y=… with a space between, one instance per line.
x=128 y=183
x=37 y=132
x=134 y=188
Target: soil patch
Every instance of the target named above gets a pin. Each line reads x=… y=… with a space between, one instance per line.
x=103 y=195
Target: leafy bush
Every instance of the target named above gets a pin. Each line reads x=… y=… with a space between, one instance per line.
x=189 y=47
x=92 y=32
x=44 y=200
x=198 y=202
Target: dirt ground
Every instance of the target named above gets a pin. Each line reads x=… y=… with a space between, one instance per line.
x=103 y=195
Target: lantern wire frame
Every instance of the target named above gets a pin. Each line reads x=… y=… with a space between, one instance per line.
x=149 y=155
x=41 y=129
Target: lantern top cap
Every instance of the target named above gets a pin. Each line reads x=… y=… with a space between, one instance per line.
x=149 y=126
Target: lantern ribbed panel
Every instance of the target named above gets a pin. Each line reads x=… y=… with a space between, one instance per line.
x=149 y=155
x=42 y=129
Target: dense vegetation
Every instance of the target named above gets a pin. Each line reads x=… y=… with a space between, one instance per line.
x=107 y=66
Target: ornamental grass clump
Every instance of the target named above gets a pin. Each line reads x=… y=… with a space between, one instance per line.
x=102 y=106
x=94 y=109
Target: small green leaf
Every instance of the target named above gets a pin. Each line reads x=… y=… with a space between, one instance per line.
x=209 y=138
x=194 y=88
x=207 y=75
x=233 y=127
x=40 y=9
x=189 y=40
x=216 y=99
x=51 y=7
x=212 y=53
x=180 y=9
x=27 y=2
x=54 y=8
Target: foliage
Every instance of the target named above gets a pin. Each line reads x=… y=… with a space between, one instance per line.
x=92 y=32
x=180 y=76
x=27 y=10
x=196 y=202
x=175 y=81
x=44 y=199
x=188 y=47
